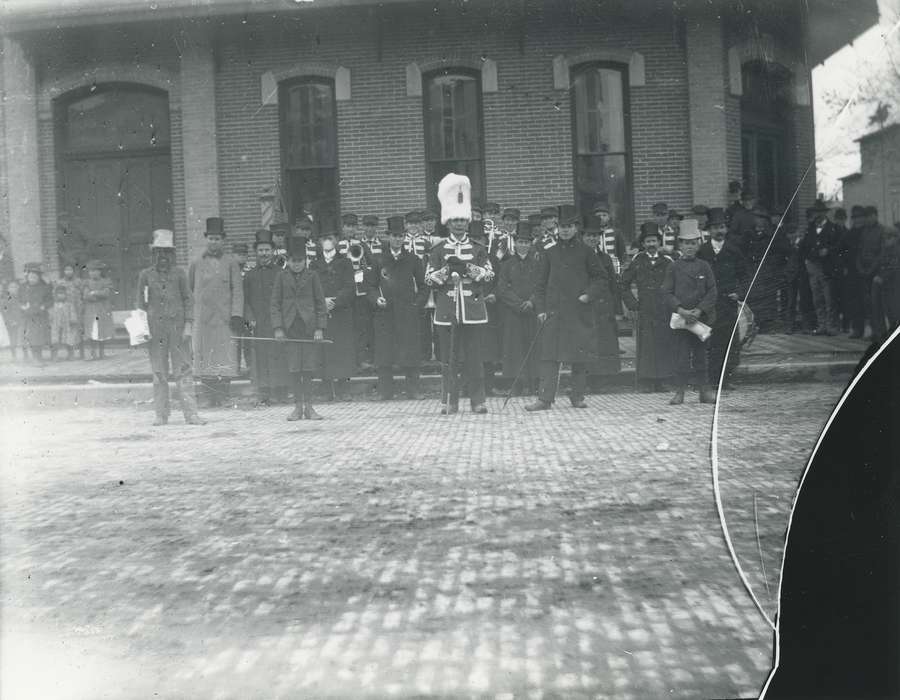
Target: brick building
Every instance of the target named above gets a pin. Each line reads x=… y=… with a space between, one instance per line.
x=120 y=117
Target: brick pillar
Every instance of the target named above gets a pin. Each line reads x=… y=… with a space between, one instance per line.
x=707 y=63
x=20 y=151
x=198 y=138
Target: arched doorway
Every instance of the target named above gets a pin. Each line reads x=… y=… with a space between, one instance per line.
x=116 y=177
x=766 y=134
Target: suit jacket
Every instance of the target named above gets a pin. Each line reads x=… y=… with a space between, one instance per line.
x=473 y=286
x=165 y=297
x=824 y=239
x=298 y=294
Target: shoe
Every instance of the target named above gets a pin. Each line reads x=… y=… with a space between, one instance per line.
x=480 y=409
x=310 y=413
x=449 y=410
x=194 y=419
x=678 y=399
x=296 y=414
x=161 y=420
x=707 y=395
x=263 y=403
x=538 y=406
x=577 y=402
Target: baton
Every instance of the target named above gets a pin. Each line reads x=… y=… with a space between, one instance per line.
x=525 y=361
x=284 y=340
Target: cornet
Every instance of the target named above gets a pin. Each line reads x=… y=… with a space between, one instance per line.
x=492 y=231
x=355 y=253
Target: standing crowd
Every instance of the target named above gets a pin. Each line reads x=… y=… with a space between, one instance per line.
x=484 y=290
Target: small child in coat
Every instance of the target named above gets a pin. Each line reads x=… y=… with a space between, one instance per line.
x=64 y=323
x=35 y=300
x=97 y=308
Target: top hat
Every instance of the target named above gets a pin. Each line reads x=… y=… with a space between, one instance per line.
x=303 y=224
x=648 y=228
x=547 y=212
x=593 y=225
x=350 y=220
x=215 y=226
x=395 y=226
x=511 y=213
x=715 y=216
x=689 y=231
x=370 y=220
x=819 y=207
x=700 y=210
x=568 y=214
x=455 y=196
x=163 y=238
x=660 y=208
x=601 y=207
x=857 y=211
x=262 y=237
x=297 y=246
x=523 y=230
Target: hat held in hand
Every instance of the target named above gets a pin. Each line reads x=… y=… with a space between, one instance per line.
x=455 y=195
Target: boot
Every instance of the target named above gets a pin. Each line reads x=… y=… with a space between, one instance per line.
x=480 y=409
x=577 y=402
x=538 y=405
x=193 y=419
x=309 y=413
x=161 y=419
x=707 y=395
x=296 y=414
x=449 y=409
x=678 y=399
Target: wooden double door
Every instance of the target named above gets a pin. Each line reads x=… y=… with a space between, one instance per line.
x=113 y=204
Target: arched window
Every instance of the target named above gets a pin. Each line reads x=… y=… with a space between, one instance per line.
x=601 y=140
x=453 y=129
x=309 y=150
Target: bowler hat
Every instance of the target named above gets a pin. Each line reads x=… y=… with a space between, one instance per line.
x=163 y=238
x=568 y=215
x=700 y=209
x=511 y=213
x=715 y=216
x=262 y=237
x=689 y=230
x=215 y=226
x=819 y=207
x=349 y=220
x=760 y=211
x=523 y=231
x=648 y=228
x=395 y=226
x=593 y=225
x=547 y=212
x=601 y=207
x=429 y=216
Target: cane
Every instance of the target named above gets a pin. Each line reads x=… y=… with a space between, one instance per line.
x=634 y=330
x=525 y=362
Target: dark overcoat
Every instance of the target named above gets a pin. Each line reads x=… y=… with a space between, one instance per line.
x=402 y=282
x=35 y=301
x=516 y=284
x=763 y=297
x=568 y=270
x=336 y=276
x=268 y=364
x=492 y=338
x=605 y=306
x=654 y=337
x=732 y=276
x=298 y=308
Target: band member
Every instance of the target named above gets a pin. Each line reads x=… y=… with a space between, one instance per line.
x=570 y=278
x=163 y=292
x=508 y=224
x=689 y=290
x=239 y=253
x=742 y=220
x=730 y=271
x=537 y=232
x=515 y=290
x=457 y=271
x=349 y=234
x=218 y=292
x=268 y=368
x=299 y=312
x=417 y=243
x=335 y=274
x=491 y=220
x=653 y=337
x=492 y=336
x=396 y=291
x=369 y=238
x=303 y=228
x=665 y=230
x=734 y=199
x=363 y=330
x=280 y=233
x=549 y=227
x=611 y=240
x=606 y=305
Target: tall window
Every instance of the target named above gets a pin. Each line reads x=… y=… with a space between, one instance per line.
x=601 y=135
x=453 y=130
x=309 y=150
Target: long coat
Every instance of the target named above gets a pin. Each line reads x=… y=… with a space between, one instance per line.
x=605 y=308
x=492 y=338
x=218 y=290
x=763 y=297
x=516 y=285
x=336 y=276
x=402 y=282
x=268 y=363
x=730 y=271
x=97 y=309
x=298 y=308
x=38 y=298
x=654 y=337
x=568 y=270
x=471 y=309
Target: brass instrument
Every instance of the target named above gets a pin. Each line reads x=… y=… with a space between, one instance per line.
x=492 y=231
x=355 y=252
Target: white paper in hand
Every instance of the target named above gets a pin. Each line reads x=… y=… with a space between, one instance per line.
x=137 y=326
x=700 y=329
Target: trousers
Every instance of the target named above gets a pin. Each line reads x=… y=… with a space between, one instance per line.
x=170 y=357
x=466 y=361
x=690 y=359
x=549 y=380
x=820 y=285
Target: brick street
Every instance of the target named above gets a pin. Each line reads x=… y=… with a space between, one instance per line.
x=390 y=552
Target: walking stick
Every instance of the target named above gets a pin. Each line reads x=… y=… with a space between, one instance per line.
x=634 y=330
x=525 y=362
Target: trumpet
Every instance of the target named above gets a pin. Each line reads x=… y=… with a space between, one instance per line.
x=492 y=231
x=355 y=252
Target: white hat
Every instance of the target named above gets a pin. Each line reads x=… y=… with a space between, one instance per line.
x=455 y=195
x=163 y=238
x=689 y=230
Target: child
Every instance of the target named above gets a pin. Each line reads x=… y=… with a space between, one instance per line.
x=298 y=312
x=12 y=317
x=35 y=300
x=97 y=311
x=689 y=290
x=63 y=323
x=74 y=287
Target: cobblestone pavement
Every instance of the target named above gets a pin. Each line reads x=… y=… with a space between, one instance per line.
x=390 y=552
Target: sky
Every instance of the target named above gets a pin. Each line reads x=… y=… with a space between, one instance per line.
x=846 y=90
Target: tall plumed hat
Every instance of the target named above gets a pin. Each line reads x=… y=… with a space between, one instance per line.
x=455 y=195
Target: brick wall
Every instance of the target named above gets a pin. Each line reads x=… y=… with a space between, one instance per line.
x=527 y=123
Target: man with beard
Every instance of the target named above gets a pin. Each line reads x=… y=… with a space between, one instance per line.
x=163 y=292
x=570 y=279
x=396 y=292
x=606 y=305
x=653 y=337
x=267 y=364
x=730 y=270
